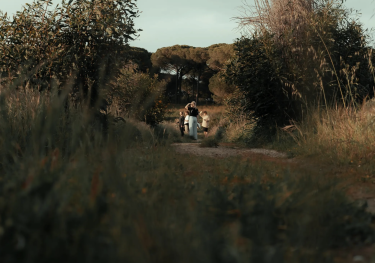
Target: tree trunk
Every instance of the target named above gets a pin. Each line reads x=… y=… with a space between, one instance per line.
x=180 y=83
x=176 y=99
x=198 y=87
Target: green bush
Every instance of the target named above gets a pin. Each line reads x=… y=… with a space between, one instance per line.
x=137 y=95
x=258 y=73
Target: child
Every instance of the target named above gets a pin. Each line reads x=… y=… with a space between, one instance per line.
x=186 y=122
x=181 y=123
x=205 y=122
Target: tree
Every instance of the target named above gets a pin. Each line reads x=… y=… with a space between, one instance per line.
x=141 y=57
x=194 y=62
x=173 y=59
x=198 y=63
x=220 y=88
x=219 y=56
x=79 y=44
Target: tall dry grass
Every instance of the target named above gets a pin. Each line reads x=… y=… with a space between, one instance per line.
x=277 y=16
x=343 y=135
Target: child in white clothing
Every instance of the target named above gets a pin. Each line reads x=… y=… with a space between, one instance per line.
x=186 y=122
x=205 y=122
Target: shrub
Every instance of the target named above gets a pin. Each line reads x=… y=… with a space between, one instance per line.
x=283 y=71
x=137 y=95
x=257 y=72
x=78 y=45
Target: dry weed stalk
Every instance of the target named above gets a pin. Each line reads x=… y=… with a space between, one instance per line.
x=277 y=16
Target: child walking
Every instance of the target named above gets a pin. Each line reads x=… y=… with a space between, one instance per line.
x=186 y=122
x=182 y=123
x=205 y=122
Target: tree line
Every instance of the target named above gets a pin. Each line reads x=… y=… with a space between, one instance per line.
x=198 y=67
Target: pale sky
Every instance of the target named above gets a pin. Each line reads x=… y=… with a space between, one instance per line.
x=199 y=23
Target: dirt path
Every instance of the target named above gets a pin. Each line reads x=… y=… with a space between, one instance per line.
x=222 y=152
x=357 y=191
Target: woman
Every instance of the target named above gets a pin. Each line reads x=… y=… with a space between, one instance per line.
x=193 y=114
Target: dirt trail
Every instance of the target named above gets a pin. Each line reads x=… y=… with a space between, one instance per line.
x=363 y=192
x=359 y=191
x=222 y=152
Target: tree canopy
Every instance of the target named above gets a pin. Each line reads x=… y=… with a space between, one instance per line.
x=194 y=62
x=79 y=42
x=220 y=55
x=173 y=59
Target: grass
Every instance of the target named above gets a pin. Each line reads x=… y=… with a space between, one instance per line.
x=73 y=191
x=341 y=136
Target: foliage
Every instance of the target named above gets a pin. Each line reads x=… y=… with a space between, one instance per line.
x=175 y=59
x=197 y=64
x=219 y=56
x=142 y=58
x=198 y=59
x=78 y=43
x=344 y=136
x=257 y=74
x=283 y=73
x=137 y=95
x=69 y=194
x=220 y=88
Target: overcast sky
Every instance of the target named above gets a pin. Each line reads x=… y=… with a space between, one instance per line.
x=199 y=23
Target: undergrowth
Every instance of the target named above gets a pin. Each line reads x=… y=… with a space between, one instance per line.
x=340 y=136
x=72 y=191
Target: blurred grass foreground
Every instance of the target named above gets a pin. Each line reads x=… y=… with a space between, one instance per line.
x=70 y=192
x=87 y=173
